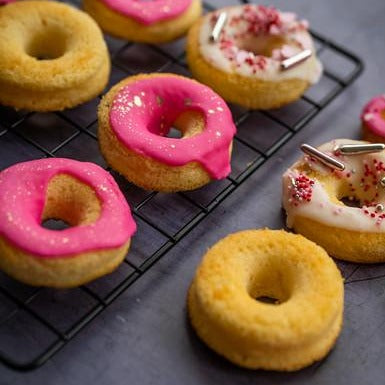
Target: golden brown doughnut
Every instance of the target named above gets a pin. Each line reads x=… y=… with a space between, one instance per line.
x=52 y=56
x=299 y=329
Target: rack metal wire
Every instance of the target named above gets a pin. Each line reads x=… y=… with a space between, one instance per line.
x=34 y=322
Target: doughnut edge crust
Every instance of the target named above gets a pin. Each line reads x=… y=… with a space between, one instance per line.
x=256 y=335
x=79 y=74
x=65 y=272
x=343 y=244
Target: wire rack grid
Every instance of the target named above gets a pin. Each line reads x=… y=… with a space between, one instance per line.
x=34 y=322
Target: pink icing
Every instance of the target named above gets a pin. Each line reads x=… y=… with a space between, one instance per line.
x=143 y=113
x=150 y=11
x=22 y=198
x=372 y=115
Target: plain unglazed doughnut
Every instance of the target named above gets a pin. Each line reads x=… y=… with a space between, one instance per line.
x=244 y=65
x=316 y=200
x=135 y=117
x=225 y=311
x=373 y=120
x=52 y=56
x=156 y=21
x=83 y=195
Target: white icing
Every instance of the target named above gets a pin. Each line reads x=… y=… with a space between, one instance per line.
x=296 y=36
x=322 y=209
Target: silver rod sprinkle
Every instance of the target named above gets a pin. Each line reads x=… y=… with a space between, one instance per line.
x=356 y=149
x=296 y=59
x=218 y=26
x=322 y=157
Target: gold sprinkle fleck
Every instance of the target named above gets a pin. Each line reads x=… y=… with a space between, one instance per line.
x=137 y=101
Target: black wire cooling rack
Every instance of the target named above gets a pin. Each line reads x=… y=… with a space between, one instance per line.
x=35 y=322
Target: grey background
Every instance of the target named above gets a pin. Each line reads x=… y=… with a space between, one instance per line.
x=144 y=337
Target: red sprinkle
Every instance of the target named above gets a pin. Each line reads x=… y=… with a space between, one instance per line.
x=301 y=189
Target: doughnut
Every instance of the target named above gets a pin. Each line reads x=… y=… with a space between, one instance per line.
x=342 y=211
x=373 y=120
x=156 y=21
x=244 y=64
x=81 y=194
x=135 y=117
x=52 y=56
x=227 y=311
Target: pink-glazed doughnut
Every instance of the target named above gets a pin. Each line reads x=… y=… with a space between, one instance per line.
x=149 y=12
x=153 y=21
x=137 y=114
x=81 y=194
x=373 y=120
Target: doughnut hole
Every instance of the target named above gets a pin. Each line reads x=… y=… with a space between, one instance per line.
x=343 y=195
x=174 y=133
x=270 y=282
x=350 y=201
x=261 y=45
x=47 y=43
x=55 y=224
x=188 y=123
x=339 y=190
x=357 y=198
x=71 y=201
